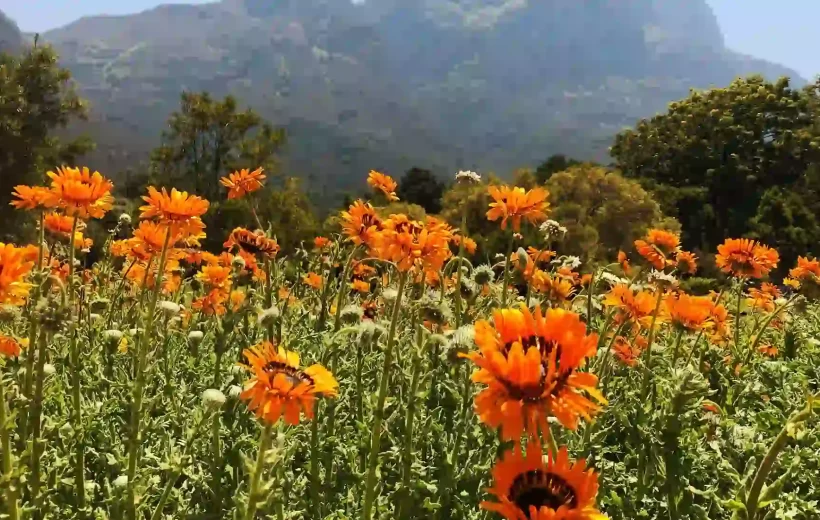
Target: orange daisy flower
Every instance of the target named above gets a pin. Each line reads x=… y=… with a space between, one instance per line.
x=60 y=224
x=197 y=257
x=624 y=261
x=383 y=183
x=806 y=276
x=557 y=288
x=360 y=286
x=360 y=223
x=253 y=243
x=637 y=307
x=409 y=243
x=657 y=246
x=215 y=276
x=626 y=352
x=177 y=207
x=211 y=304
x=688 y=312
x=313 y=280
x=14 y=268
x=242 y=182
x=768 y=350
x=321 y=242
x=469 y=244
x=237 y=299
x=9 y=347
x=540 y=256
x=763 y=299
x=279 y=388
x=79 y=193
x=686 y=262
x=744 y=257
x=29 y=197
x=516 y=204
x=528 y=487
x=529 y=364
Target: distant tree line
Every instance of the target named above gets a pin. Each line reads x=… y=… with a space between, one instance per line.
x=739 y=161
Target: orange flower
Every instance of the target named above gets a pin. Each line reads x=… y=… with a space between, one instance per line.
x=637 y=307
x=657 y=247
x=360 y=223
x=686 y=262
x=768 y=350
x=540 y=256
x=9 y=347
x=279 y=388
x=624 y=261
x=557 y=288
x=313 y=280
x=529 y=364
x=806 y=276
x=60 y=224
x=197 y=257
x=688 y=312
x=321 y=242
x=516 y=204
x=744 y=257
x=212 y=304
x=29 y=197
x=243 y=182
x=14 y=268
x=360 y=286
x=253 y=243
x=628 y=353
x=82 y=243
x=383 y=183
x=79 y=192
x=469 y=244
x=215 y=276
x=409 y=243
x=177 y=208
x=763 y=298
x=237 y=300
x=528 y=487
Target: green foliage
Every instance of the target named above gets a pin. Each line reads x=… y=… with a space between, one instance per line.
x=554 y=164
x=727 y=160
x=420 y=186
x=602 y=211
x=208 y=139
x=36 y=100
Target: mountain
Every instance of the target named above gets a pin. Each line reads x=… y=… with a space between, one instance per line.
x=442 y=84
x=10 y=37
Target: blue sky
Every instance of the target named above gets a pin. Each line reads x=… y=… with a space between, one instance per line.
x=784 y=32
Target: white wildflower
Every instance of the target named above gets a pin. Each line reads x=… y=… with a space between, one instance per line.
x=468 y=177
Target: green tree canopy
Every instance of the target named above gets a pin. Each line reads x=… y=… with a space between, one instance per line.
x=722 y=160
x=602 y=211
x=208 y=138
x=36 y=100
x=555 y=163
x=422 y=187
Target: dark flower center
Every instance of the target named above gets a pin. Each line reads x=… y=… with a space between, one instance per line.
x=539 y=488
x=294 y=375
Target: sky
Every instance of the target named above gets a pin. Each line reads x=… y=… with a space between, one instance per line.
x=783 y=32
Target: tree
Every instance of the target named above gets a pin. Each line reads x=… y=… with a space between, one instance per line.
x=419 y=186
x=602 y=211
x=714 y=157
x=554 y=164
x=208 y=139
x=36 y=100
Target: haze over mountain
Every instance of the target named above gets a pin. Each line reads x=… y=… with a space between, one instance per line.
x=444 y=84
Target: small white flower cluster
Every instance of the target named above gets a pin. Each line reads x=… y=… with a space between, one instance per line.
x=661 y=278
x=552 y=229
x=573 y=262
x=468 y=177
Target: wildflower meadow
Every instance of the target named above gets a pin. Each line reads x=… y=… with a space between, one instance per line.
x=391 y=370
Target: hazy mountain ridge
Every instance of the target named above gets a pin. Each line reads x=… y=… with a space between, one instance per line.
x=394 y=83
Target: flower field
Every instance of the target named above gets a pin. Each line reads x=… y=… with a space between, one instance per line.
x=390 y=370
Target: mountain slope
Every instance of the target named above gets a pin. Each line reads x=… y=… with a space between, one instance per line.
x=10 y=37
x=487 y=84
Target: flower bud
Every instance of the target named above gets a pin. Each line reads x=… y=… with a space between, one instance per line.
x=125 y=219
x=213 y=398
x=195 y=336
x=169 y=308
x=351 y=314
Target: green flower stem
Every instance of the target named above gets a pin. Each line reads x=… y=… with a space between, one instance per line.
x=677 y=347
x=76 y=402
x=28 y=383
x=172 y=480
x=737 y=314
x=35 y=418
x=269 y=296
x=378 y=414
x=409 y=420
x=589 y=299
x=139 y=383
x=315 y=499
x=768 y=461
x=11 y=501
x=254 y=493
x=766 y=322
x=458 y=302
x=505 y=288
